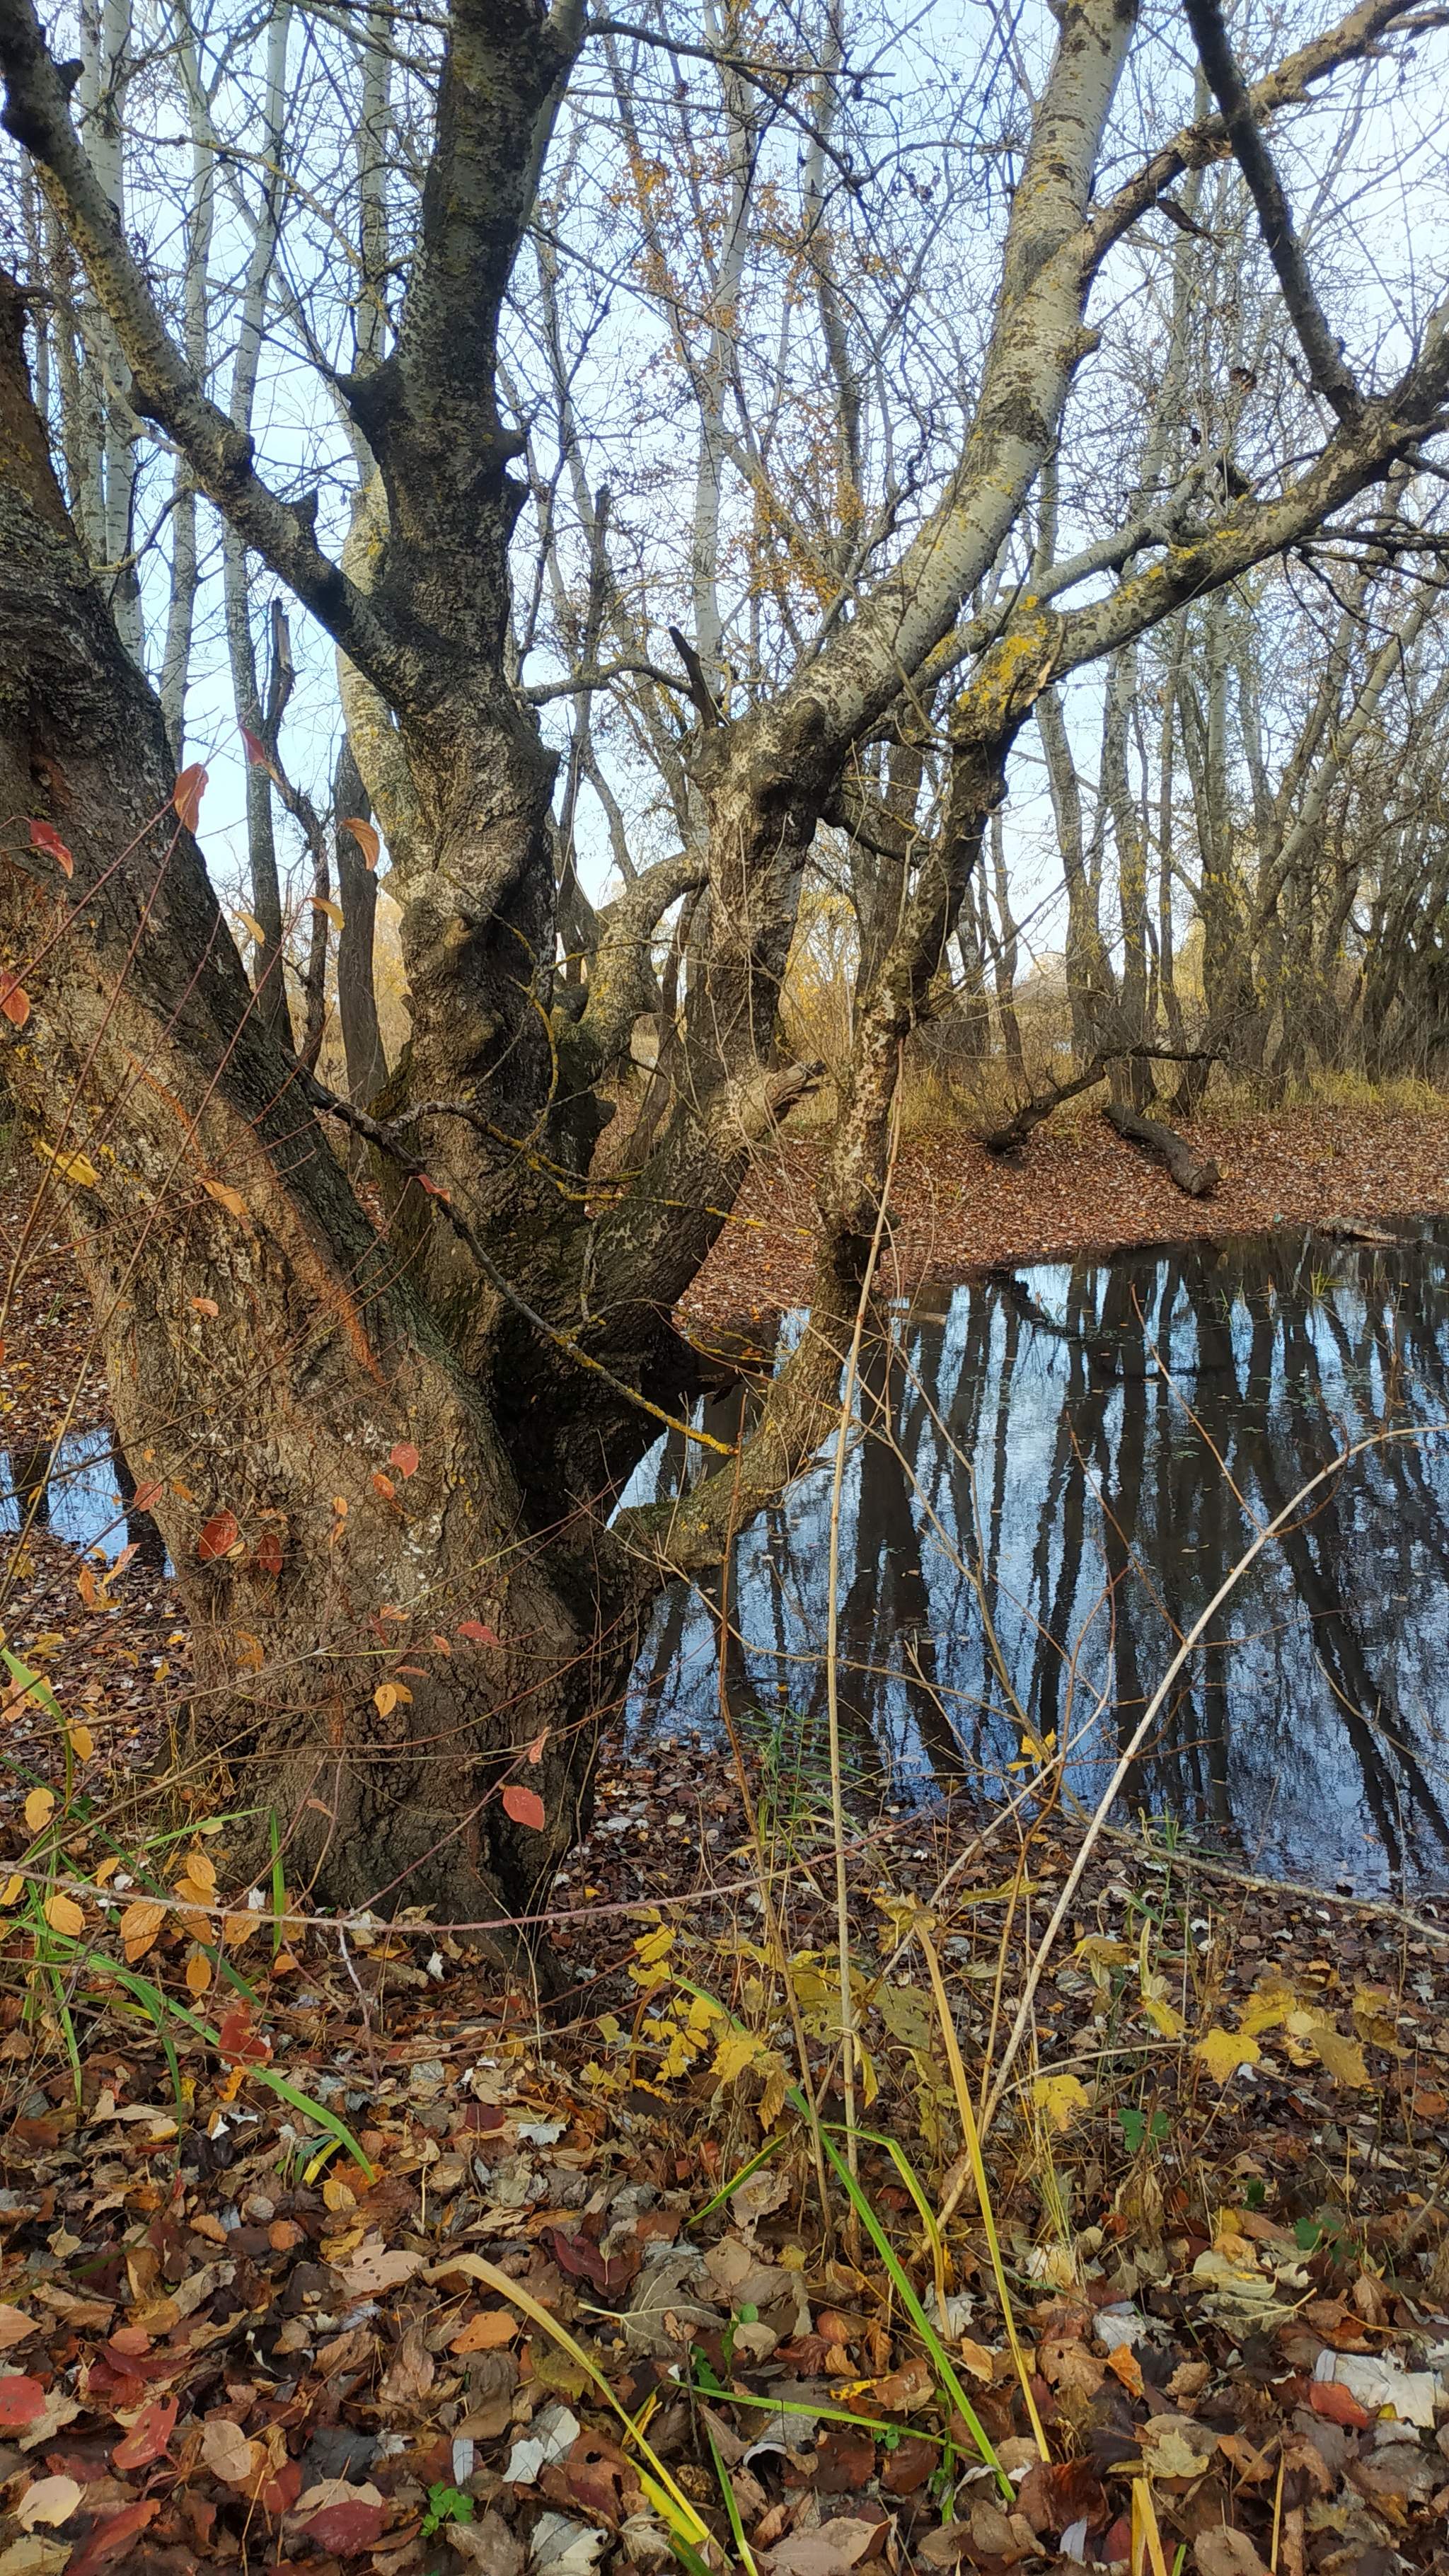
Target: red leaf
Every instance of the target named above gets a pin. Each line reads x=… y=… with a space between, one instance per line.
x=365 y=837
x=146 y=1495
x=280 y=2493
x=404 y=1457
x=187 y=794
x=478 y=1632
x=535 y=1750
x=269 y=1553
x=342 y=2528
x=116 y=2533
x=44 y=836
x=525 y=1806
x=1325 y=2397
x=239 y=2042
x=14 y=1000
x=148 y=2436
x=218 y=1535
x=257 y=756
x=434 y=1189
x=21 y=2400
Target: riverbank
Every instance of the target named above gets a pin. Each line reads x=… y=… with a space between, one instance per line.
x=1076 y=1188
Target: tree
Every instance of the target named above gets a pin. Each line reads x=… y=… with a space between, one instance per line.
x=386 y=1466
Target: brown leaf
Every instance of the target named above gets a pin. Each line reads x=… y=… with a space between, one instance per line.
x=227 y=2452
x=412 y=2372
x=1225 y=2552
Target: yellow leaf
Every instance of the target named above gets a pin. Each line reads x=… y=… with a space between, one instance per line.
x=248 y=1651
x=655 y=1945
x=1342 y=2057
x=71 y=1167
x=64 y=1915
x=140 y=1924
x=737 y=2050
x=1267 y=2005
x=201 y=1871
x=387 y=1695
x=239 y=1928
x=231 y=1200
x=83 y=1743
x=1224 y=2051
x=321 y=903
x=1164 y=2017
x=250 y=922
x=198 y=1975
x=1061 y=2097
x=14 y=1887
x=108 y=1869
x=336 y=2194
x=39 y=1808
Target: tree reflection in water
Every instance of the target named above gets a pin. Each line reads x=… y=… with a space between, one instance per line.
x=1053 y=1474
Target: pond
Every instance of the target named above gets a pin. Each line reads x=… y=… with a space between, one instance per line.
x=79 y=1491
x=1052 y=1474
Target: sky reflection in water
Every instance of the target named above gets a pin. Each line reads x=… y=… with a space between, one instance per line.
x=1048 y=1478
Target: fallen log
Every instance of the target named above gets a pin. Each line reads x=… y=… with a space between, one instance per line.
x=1009 y=1138
x=1195 y=1179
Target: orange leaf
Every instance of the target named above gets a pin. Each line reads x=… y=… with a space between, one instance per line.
x=187 y=794
x=206 y=1305
x=525 y=1807
x=365 y=837
x=257 y=755
x=404 y=1457
x=324 y=903
x=231 y=1200
x=486 y=2333
x=383 y=1485
x=198 y=1975
x=387 y=1695
x=535 y=1750
x=44 y=836
x=218 y=1535
x=146 y=1495
x=14 y=1001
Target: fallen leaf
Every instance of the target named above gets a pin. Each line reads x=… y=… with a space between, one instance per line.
x=1224 y=2051
x=64 y=1915
x=15 y=2325
x=39 y=1808
x=227 y=2452
x=486 y=2332
x=149 y=2435
x=22 y=2400
x=231 y=1200
x=1225 y=2552
x=49 y=2500
x=404 y=1457
x=14 y=1001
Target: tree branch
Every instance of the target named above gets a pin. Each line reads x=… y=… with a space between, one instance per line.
x=1329 y=376
x=163 y=388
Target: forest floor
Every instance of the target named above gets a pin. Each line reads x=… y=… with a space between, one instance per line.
x=349 y=2256
x=1076 y=1188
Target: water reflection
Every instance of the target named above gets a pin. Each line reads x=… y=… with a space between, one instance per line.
x=1058 y=1470
x=83 y=1492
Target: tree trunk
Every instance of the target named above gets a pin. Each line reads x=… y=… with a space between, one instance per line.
x=318 y=1463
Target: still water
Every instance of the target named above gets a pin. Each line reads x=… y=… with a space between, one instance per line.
x=79 y=1490
x=1052 y=1474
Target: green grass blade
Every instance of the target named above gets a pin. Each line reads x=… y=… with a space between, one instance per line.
x=919 y=2319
